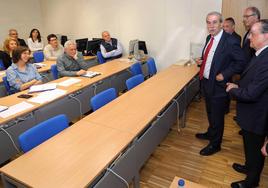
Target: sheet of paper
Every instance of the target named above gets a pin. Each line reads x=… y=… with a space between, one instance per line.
x=40 y=64
x=2 y=108
x=16 y=109
x=42 y=87
x=124 y=60
x=69 y=82
x=47 y=96
x=91 y=74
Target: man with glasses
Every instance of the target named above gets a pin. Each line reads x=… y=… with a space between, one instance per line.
x=13 y=33
x=250 y=17
x=252 y=106
x=53 y=50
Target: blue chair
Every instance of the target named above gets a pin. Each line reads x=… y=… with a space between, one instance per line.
x=38 y=56
x=151 y=67
x=134 y=81
x=2 y=67
x=101 y=59
x=102 y=98
x=54 y=72
x=42 y=132
x=7 y=86
x=136 y=69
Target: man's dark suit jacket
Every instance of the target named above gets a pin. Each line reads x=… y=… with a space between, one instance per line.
x=22 y=42
x=237 y=36
x=228 y=59
x=252 y=95
x=249 y=52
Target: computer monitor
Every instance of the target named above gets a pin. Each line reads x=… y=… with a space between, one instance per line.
x=63 y=39
x=93 y=46
x=142 y=46
x=81 y=44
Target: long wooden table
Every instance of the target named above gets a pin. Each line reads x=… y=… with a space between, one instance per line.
x=73 y=103
x=121 y=135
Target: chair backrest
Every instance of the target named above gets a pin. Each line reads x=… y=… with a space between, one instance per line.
x=136 y=69
x=42 y=132
x=38 y=56
x=2 y=67
x=102 y=98
x=134 y=81
x=54 y=72
x=101 y=59
x=7 y=86
x=151 y=66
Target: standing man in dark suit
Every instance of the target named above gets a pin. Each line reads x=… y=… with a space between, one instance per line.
x=252 y=104
x=229 y=27
x=250 y=17
x=222 y=57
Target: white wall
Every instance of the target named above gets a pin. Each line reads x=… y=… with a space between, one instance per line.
x=22 y=15
x=167 y=26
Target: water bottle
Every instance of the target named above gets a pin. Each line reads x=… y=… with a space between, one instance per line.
x=181 y=183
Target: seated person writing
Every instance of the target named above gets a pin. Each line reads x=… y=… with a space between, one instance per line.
x=71 y=63
x=53 y=50
x=110 y=47
x=22 y=75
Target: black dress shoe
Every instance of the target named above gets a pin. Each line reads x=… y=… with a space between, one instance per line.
x=202 y=136
x=209 y=150
x=235 y=118
x=238 y=184
x=242 y=184
x=240 y=168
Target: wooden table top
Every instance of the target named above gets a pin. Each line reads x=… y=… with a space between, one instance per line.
x=137 y=107
x=70 y=159
x=106 y=70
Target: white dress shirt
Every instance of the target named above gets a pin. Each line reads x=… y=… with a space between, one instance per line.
x=260 y=50
x=211 y=53
x=35 y=45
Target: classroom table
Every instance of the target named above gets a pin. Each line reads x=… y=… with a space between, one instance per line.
x=74 y=103
x=84 y=156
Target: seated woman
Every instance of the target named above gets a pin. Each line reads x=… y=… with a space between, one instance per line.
x=22 y=75
x=9 y=45
x=34 y=41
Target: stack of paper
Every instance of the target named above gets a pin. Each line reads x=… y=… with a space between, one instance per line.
x=3 y=108
x=42 y=87
x=12 y=110
x=40 y=64
x=47 y=96
x=69 y=82
x=91 y=74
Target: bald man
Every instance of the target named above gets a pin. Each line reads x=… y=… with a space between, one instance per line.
x=110 y=47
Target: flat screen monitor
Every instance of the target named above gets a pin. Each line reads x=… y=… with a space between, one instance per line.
x=81 y=44
x=63 y=39
x=142 y=46
x=93 y=46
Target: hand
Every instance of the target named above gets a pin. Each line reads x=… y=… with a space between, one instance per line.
x=81 y=72
x=198 y=61
x=263 y=149
x=219 y=77
x=230 y=86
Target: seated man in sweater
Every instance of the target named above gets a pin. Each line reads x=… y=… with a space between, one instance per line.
x=110 y=47
x=53 y=50
x=71 y=63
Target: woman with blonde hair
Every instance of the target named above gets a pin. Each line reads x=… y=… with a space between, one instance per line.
x=9 y=46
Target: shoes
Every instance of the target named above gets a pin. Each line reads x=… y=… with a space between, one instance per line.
x=235 y=118
x=240 y=132
x=242 y=184
x=202 y=136
x=209 y=150
x=240 y=168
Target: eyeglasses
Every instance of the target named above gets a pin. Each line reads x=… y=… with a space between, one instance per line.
x=247 y=16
